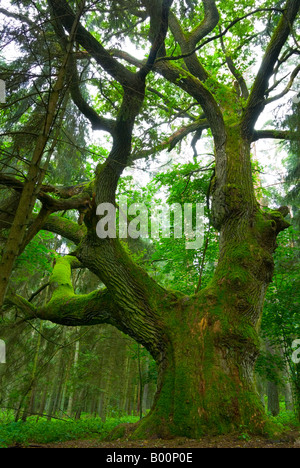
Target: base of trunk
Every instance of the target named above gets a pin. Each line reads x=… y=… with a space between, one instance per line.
x=151 y=427
x=223 y=410
x=187 y=406
x=205 y=387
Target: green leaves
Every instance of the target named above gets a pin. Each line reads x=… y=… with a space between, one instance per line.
x=167 y=259
x=38 y=256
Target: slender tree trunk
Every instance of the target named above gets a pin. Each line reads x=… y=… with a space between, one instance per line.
x=71 y=396
x=273 y=398
x=43 y=401
x=125 y=376
x=29 y=400
x=141 y=384
x=288 y=397
x=27 y=200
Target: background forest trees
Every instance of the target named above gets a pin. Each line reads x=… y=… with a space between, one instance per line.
x=64 y=372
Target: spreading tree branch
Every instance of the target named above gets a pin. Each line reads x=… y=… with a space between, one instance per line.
x=275 y=134
x=287 y=88
x=65 y=228
x=159 y=37
x=213 y=38
x=256 y=101
x=72 y=198
x=98 y=122
x=235 y=72
x=115 y=69
x=65 y=307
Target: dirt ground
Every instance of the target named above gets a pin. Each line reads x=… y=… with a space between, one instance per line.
x=291 y=440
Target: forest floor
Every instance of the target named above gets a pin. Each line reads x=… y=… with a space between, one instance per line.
x=289 y=440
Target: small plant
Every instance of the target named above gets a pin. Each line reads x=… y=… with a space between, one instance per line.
x=244 y=434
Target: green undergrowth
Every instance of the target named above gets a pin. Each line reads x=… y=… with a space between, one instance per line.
x=42 y=431
x=287 y=420
x=276 y=426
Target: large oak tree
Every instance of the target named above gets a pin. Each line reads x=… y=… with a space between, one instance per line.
x=205 y=345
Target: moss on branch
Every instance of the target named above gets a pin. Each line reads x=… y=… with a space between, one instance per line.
x=66 y=307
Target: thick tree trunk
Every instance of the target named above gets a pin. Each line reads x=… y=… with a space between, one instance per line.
x=210 y=340
x=203 y=388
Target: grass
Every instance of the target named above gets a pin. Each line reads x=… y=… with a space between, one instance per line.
x=44 y=431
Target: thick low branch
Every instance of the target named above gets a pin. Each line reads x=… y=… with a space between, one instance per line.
x=100 y=306
x=13 y=300
x=65 y=307
x=65 y=228
x=75 y=197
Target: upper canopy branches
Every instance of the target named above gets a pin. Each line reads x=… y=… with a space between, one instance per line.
x=220 y=31
x=210 y=78
x=67 y=17
x=257 y=101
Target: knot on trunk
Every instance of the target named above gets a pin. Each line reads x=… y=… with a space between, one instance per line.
x=277 y=216
x=270 y=224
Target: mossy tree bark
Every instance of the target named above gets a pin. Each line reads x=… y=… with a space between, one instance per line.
x=205 y=345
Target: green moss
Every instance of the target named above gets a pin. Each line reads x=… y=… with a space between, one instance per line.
x=61 y=277
x=62 y=270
